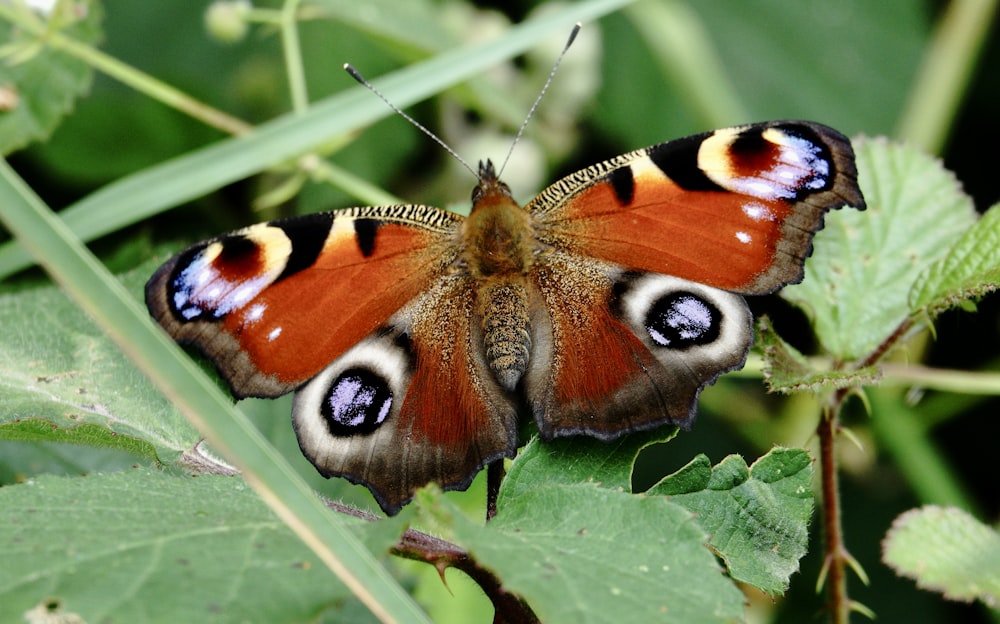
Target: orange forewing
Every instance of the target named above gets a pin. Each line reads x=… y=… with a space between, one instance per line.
x=343 y=297
x=706 y=237
x=734 y=209
x=297 y=323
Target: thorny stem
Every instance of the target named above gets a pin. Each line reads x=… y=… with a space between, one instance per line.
x=834 y=564
x=508 y=608
x=837 y=557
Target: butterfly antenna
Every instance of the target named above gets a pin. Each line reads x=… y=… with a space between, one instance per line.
x=541 y=94
x=361 y=79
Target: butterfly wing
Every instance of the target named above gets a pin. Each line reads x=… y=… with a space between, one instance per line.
x=413 y=403
x=370 y=314
x=645 y=248
x=735 y=209
x=626 y=351
x=359 y=312
x=273 y=304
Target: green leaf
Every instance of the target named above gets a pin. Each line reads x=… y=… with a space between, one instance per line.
x=944 y=549
x=916 y=212
x=141 y=546
x=757 y=517
x=587 y=554
x=786 y=370
x=38 y=83
x=971 y=269
x=570 y=461
x=63 y=380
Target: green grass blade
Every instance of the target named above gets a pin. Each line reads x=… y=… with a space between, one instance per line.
x=48 y=239
x=948 y=67
x=192 y=175
x=681 y=44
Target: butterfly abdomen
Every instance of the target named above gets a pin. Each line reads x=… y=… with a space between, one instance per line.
x=503 y=309
x=499 y=250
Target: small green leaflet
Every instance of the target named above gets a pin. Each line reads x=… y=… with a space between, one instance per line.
x=946 y=550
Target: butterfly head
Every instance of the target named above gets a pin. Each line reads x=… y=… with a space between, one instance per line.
x=490 y=185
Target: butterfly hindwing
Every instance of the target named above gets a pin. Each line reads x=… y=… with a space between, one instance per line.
x=735 y=209
x=414 y=402
x=627 y=351
x=273 y=304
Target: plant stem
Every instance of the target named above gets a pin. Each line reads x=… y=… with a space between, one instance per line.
x=834 y=566
x=293 y=56
x=837 y=557
x=418 y=546
x=494 y=477
x=508 y=608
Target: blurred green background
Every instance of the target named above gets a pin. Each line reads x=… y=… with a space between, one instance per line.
x=850 y=64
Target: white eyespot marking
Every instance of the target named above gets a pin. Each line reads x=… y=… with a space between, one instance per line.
x=354 y=399
x=244 y=293
x=764 y=189
x=744 y=238
x=800 y=162
x=201 y=269
x=353 y=396
x=350 y=391
x=181 y=305
x=687 y=325
x=683 y=319
x=214 y=280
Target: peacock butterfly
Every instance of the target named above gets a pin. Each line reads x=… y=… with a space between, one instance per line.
x=414 y=338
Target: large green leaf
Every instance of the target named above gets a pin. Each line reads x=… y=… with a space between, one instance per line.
x=141 y=546
x=63 y=380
